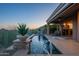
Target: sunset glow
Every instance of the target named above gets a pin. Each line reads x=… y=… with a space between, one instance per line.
x=33 y=15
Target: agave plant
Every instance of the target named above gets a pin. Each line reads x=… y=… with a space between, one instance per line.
x=22 y=29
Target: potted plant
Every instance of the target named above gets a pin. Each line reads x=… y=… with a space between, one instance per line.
x=22 y=30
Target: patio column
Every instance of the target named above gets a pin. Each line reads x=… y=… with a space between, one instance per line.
x=48 y=29
x=57 y=27
x=74 y=18
x=78 y=25
x=60 y=29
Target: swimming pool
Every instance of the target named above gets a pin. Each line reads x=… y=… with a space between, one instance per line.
x=41 y=45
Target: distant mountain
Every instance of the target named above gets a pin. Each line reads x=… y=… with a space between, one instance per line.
x=3 y=29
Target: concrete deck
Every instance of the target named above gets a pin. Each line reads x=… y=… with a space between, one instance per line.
x=24 y=52
x=21 y=52
x=66 y=46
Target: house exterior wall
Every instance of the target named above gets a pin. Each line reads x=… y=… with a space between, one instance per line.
x=68 y=26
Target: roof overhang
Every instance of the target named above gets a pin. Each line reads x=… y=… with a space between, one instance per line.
x=64 y=11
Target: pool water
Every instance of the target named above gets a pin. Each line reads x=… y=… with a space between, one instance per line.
x=41 y=45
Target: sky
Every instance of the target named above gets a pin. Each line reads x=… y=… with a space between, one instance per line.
x=33 y=15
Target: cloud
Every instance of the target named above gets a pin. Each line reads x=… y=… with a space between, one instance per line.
x=33 y=26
